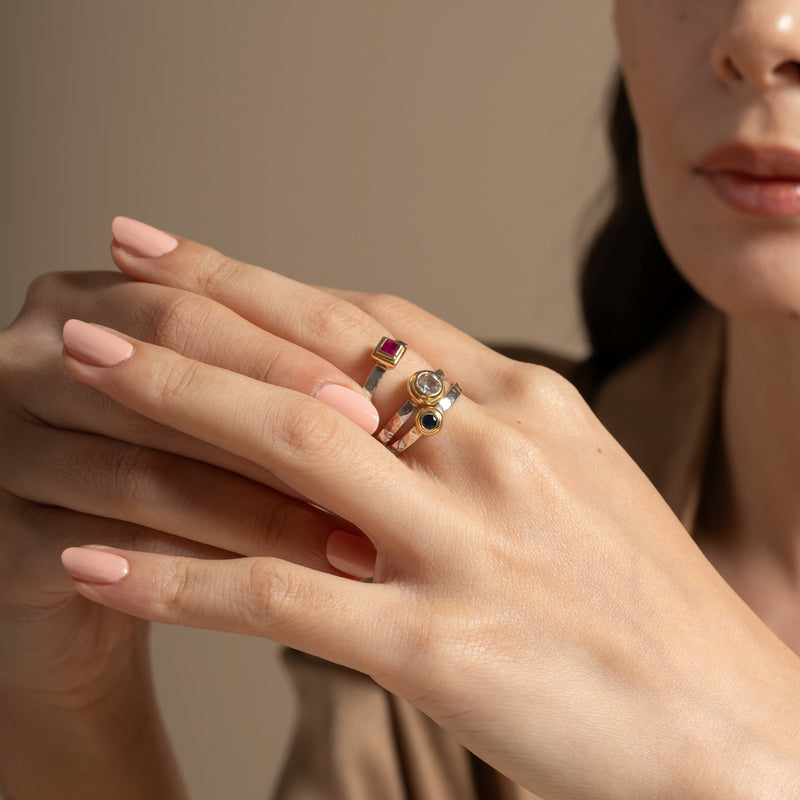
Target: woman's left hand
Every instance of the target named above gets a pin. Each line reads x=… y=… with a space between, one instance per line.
x=532 y=592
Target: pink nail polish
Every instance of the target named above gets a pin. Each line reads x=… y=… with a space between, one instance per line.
x=350 y=554
x=141 y=240
x=95 y=345
x=93 y=565
x=352 y=404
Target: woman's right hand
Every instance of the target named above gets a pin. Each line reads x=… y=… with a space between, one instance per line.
x=75 y=468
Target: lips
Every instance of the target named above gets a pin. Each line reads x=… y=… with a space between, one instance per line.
x=763 y=182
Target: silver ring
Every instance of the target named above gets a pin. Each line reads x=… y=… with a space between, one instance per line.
x=428 y=421
x=425 y=388
x=387 y=355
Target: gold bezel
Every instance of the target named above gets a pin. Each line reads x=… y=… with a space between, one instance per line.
x=384 y=358
x=429 y=431
x=425 y=400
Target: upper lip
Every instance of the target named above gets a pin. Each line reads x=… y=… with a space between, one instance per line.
x=771 y=163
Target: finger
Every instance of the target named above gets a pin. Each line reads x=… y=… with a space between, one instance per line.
x=34 y=535
x=199 y=328
x=316 y=321
x=71 y=406
x=307 y=445
x=480 y=368
x=344 y=621
x=179 y=496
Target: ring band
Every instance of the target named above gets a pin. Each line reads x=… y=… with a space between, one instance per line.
x=428 y=422
x=425 y=388
x=387 y=355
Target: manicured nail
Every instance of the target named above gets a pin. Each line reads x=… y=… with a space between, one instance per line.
x=141 y=240
x=93 y=565
x=352 y=404
x=351 y=554
x=95 y=345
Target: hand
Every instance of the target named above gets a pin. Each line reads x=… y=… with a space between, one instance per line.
x=532 y=592
x=77 y=468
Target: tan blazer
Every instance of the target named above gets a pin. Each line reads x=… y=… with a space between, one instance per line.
x=355 y=741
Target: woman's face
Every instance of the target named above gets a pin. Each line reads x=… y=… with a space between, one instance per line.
x=715 y=90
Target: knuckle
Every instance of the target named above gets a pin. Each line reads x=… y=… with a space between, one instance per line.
x=266 y=596
x=214 y=273
x=382 y=306
x=542 y=386
x=178 y=381
x=178 y=317
x=397 y=313
x=175 y=592
x=138 y=476
x=44 y=291
x=271 y=365
x=63 y=294
x=303 y=430
x=328 y=319
x=258 y=599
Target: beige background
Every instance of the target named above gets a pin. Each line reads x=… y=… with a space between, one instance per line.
x=445 y=151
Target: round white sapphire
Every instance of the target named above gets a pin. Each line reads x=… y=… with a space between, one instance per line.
x=428 y=384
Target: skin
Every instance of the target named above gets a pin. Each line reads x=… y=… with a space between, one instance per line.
x=732 y=77
x=75 y=468
x=597 y=653
x=590 y=638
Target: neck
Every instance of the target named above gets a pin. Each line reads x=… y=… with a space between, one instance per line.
x=756 y=479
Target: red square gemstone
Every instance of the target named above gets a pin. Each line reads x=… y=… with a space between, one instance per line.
x=389 y=352
x=390 y=347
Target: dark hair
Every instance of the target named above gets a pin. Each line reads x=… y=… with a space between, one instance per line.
x=629 y=288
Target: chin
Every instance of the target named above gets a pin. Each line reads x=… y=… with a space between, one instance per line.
x=758 y=290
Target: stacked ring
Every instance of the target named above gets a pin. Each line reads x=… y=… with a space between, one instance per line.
x=387 y=355
x=425 y=388
x=428 y=421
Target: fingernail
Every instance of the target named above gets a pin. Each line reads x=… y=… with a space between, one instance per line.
x=141 y=240
x=351 y=554
x=93 y=565
x=95 y=345
x=354 y=406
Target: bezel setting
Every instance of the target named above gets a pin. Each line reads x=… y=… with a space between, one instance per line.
x=429 y=421
x=389 y=352
x=426 y=395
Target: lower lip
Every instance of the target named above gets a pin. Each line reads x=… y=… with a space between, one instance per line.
x=762 y=197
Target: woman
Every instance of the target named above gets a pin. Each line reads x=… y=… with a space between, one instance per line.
x=532 y=592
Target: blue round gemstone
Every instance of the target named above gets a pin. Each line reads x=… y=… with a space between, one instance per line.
x=430 y=422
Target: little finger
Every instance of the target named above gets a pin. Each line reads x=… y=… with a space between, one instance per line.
x=340 y=620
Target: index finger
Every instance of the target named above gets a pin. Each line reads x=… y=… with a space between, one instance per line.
x=325 y=325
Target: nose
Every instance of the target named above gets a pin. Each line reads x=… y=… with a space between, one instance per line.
x=758 y=43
